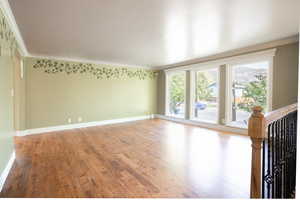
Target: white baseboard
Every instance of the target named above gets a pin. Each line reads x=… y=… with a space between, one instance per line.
x=205 y=125
x=122 y=120
x=81 y=125
x=6 y=170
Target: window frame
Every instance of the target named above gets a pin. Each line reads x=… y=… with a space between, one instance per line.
x=193 y=82
x=229 y=79
x=227 y=61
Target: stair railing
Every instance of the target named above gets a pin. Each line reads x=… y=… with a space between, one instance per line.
x=274 y=142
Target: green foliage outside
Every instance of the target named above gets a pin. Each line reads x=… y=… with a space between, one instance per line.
x=254 y=94
x=204 y=93
x=176 y=87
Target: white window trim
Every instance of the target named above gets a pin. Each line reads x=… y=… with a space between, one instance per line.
x=228 y=97
x=168 y=74
x=21 y=68
x=270 y=85
x=230 y=60
x=228 y=100
x=193 y=91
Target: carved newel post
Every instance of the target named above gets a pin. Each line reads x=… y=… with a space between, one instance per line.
x=257 y=132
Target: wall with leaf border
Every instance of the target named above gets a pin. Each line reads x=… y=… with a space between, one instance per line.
x=58 y=90
x=98 y=71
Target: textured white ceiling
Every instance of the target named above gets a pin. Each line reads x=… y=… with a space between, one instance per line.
x=150 y=32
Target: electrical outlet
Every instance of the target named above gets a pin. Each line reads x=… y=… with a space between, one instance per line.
x=12 y=92
x=69 y=120
x=79 y=119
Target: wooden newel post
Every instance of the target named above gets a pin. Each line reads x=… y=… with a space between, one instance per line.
x=257 y=132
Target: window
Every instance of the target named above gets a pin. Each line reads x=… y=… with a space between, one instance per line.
x=248 y=87
x=221 y=91
x=206 y=95
x=175 y=99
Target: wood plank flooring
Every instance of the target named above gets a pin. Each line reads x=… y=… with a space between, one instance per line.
x=149 y=158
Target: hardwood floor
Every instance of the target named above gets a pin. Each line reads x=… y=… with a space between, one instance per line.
x=150 y=158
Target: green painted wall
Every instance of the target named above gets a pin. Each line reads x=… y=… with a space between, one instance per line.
x=161 y=92
x=52 y=98
x=285 y=75
x=6 y=111
x=8 y=48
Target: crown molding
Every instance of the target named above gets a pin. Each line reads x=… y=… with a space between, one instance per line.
x=13 y=25
x=82 y=60
x=233 y=53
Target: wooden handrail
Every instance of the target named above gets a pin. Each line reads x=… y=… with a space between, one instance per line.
x=257 y=125
x=278 y=114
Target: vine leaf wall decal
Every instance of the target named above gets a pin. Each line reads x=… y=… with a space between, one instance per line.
x=99 y=71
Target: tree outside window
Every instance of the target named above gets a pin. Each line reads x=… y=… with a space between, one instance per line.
x=177 y=93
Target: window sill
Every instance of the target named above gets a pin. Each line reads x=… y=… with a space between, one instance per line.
x=214 y=126
x=175 y=116
x=204 y=121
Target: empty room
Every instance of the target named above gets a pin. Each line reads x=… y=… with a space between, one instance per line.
x=148 y=99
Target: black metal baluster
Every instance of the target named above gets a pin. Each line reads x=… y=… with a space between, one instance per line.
x=273 y=158
x=279 y=158
x=263 y=169
x=294 y=141
x=279 y=161
x=284 y=158
x=276 y=161
x=295 y=149
x=291 y=157
x=288 y=157
x=269 y=158
x=296 y=126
